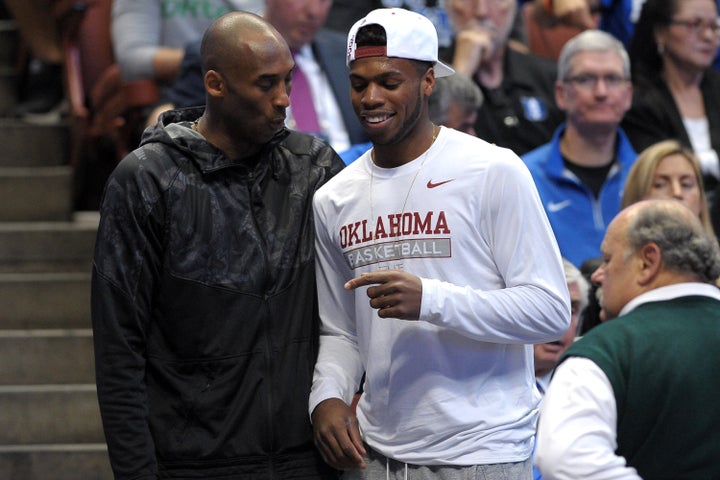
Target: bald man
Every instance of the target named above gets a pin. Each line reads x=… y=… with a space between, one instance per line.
x=203 y=295
x=636 y=397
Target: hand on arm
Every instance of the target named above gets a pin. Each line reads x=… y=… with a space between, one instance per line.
x=337 y=434
x=393 y=293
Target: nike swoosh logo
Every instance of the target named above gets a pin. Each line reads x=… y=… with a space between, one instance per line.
x=557 y=206
x=430 y=183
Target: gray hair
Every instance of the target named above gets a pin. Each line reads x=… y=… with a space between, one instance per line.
x=574 y=275
x=456 y=88
x=685 y=244
x=590 y=41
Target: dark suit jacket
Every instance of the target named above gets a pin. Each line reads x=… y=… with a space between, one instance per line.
x=329 y=49
x=654 y=116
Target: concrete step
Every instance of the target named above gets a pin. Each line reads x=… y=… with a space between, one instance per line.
x=55 y=462
x=49 y=414
x=35 y=193
x=44 y=300
x=34 y=357
x=48 y=246
x=33 y=145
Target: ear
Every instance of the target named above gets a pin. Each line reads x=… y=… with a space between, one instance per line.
x=428 y=81
x=650 y=257
x=214 y=83
x=560 y=95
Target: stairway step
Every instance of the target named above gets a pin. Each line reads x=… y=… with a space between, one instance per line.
x=35 y=193
x=44 y=300
x=33 y=145
x=47 y=414
x=48 y=246
x=55 y=462
x=30 y=357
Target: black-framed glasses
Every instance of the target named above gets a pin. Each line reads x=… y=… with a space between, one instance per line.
x=698 y=25
x=589 y=81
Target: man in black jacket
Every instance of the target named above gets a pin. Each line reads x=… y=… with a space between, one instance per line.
x=203 y=294
x=319 y=54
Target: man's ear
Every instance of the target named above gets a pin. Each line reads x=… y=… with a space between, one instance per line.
x=651 y=257
x=429 y=81
x=214 y=83
x=560 y=95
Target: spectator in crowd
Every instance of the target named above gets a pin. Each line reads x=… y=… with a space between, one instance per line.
x=519 y=110
x=420 y=283
x=636 y=397
x=580 y=173
x=676 y=89
x=668 y=170
x=320 y=103
x=592 y=315
x=617 y=17
x=454 y=103
x=149 y=36
x=204 y=304
x=546 y=355
x=42 y=84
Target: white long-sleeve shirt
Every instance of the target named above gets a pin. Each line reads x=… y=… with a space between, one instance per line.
x=457 y=386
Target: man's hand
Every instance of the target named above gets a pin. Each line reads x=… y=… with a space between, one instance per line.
x=472 y=47
x=337 y=434
x=394 y=293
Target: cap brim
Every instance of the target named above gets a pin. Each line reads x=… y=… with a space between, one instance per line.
x=442 y=70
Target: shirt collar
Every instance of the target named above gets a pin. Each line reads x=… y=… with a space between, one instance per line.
x=671 y=292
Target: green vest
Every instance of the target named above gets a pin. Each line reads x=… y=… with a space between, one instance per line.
x=663 y=362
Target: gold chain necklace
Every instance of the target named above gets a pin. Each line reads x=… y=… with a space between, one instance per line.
x=436 y=131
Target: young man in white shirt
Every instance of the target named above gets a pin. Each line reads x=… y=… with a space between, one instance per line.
x=446 y=235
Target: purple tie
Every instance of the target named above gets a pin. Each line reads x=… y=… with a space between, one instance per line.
x=301 y=103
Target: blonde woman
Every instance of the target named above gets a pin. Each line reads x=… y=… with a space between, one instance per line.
x=668 y=170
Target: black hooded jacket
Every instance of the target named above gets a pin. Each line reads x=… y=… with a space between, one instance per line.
x=204 y=307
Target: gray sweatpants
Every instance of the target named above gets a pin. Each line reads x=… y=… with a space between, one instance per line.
x=380 y=467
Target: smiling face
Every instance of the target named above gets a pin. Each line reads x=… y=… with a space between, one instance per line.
x=388 y=96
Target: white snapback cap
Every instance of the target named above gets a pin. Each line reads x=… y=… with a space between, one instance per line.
x=409 y=35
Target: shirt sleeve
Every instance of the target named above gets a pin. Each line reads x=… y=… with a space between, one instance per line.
x=533 y=304
x=126 y=266
x=338 y=369
x=136 y=33
x=577 y=430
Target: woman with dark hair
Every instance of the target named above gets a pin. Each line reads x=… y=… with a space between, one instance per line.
x=677 y=93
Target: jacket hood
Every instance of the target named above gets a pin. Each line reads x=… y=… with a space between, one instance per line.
x=173 y=130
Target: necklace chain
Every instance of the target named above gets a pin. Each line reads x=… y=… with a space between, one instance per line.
x=436 y=131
